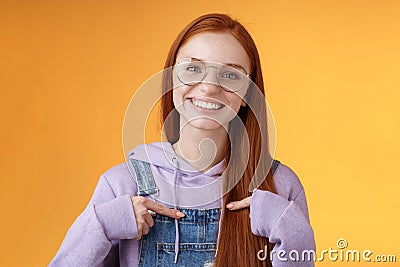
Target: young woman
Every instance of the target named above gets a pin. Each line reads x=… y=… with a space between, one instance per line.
x=211 y=195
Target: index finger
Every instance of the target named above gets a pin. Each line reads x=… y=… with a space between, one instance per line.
x=241 y=204
x=164 y=210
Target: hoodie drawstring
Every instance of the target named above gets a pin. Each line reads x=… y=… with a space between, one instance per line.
x=175 y=163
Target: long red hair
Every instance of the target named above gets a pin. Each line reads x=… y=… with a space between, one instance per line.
x=237 y=246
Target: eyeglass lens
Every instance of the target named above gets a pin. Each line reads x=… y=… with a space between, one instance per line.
x=192 y=72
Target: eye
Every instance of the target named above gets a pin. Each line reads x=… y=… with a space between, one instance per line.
x=230 y=75
x=193 y=68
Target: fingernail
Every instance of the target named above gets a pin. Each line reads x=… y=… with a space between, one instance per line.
x=229 y=206
x=180 y=214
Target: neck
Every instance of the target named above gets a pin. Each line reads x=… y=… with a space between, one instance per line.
x=201 y=148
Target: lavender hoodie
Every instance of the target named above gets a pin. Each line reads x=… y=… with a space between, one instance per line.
x=103 y=233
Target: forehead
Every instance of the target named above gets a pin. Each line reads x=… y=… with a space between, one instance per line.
x=216 y=47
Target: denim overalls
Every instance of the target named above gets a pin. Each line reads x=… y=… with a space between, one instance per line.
x=198 y=230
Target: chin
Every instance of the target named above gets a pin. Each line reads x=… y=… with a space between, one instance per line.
x=205 y=124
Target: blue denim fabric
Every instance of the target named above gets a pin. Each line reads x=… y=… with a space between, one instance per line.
x=197 y=243
x=144 y=177
x=275 y=164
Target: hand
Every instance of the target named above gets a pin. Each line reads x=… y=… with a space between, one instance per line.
x=144 y=220
x=241 y=204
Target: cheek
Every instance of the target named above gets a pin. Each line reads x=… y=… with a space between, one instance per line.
x=179 y=91
x=178 y=97
x=235 y=102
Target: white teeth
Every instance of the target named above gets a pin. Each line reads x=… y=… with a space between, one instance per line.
x=207 y=105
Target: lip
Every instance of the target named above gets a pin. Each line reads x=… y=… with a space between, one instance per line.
x=208 y=100
x=203 y=110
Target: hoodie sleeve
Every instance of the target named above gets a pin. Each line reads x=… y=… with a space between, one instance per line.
x=286 y=224
x=88 y=242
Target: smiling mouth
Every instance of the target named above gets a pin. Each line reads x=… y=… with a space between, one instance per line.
x=206 y=105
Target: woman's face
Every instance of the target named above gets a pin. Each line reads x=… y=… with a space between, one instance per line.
x=206 y=105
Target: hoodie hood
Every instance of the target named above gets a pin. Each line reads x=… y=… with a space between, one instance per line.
x=162 y=154
x=193 y=188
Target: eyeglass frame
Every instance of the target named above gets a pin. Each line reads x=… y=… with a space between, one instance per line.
x=239 y=68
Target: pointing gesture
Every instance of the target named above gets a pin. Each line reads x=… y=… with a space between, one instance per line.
x=141 y=208
x=241 y=204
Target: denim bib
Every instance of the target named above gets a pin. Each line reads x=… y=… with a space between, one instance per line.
x=198 y=230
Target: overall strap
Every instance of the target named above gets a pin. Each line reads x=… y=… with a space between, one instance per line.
x=144 y=177
x=275 y=164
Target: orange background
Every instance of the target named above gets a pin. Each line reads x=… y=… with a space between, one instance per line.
x=69 y=69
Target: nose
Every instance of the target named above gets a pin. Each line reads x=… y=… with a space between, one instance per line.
x=210 y=84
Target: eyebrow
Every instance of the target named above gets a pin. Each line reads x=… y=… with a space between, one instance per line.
x=228 y=64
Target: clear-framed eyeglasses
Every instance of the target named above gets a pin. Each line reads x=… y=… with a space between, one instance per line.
x=192 y=71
